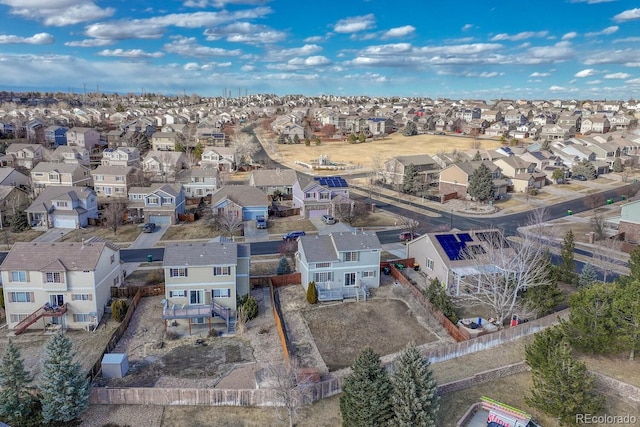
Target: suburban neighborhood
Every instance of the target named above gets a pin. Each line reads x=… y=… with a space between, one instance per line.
x=204 y=240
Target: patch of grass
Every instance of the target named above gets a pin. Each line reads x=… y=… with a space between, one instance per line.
x=292 y=223
x=126 y=233
x=144 y=276
x=8 y=237
x=190 y=230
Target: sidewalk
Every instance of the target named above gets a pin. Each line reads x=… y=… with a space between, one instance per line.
x=53 y=234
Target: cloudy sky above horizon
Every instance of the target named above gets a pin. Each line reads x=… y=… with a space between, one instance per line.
x=544 y=49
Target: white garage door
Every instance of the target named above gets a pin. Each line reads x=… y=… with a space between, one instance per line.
x=160 y=219
x=316 y=213
x=64 y=222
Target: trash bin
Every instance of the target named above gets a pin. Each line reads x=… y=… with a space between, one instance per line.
x=569 y=212
x=386 y=271
x=609 y=201
x=624 y=197
x=149 y=258
x=416 y=266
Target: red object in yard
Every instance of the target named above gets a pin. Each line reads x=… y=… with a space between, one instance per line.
x=514 y=321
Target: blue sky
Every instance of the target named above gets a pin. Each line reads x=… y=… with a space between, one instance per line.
x=568 y=49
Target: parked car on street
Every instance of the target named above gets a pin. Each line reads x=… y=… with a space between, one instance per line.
x=579 y=177
x=149 y=227
x=328 y=219
x=293 y=235
x=407 y=235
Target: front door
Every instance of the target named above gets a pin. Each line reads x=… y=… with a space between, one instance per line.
x=350 y=279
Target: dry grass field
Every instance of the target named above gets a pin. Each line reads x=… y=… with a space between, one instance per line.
x=383 y=149
x=8 y=237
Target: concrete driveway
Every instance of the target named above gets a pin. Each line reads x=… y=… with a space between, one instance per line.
x=338 y=227
x=253 y=234
x=149 y=240
x=53 y=234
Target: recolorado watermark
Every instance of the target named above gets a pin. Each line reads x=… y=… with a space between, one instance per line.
x=606 y=419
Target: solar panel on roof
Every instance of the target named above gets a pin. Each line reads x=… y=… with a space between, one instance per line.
x=451 y=246
x=465 y=237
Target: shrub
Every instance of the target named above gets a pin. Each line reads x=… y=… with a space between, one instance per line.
x=119 y=309
x=283 y=267
x=249 y=305
x=172 y=335
x=312 y=293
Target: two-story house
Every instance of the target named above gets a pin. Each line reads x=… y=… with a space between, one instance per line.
x=72 y=154
x=203 y=281
x=55 y=136
x=159 y=203
x=163 y=166
x=199 y=183
x=342 y=265
x=455 y=178
x=63 y=207
x=595 y=123
x=523 y=174
x=242 y=201
x=45 y=174
x=222 y=158
x=121 y=156
x=164 y=141
x=11 y=177
x=318 y=196
x=34 y=130
x=380 y=125
x=68 y=284
x=274 y=181
x=83 y=137
x=428 y=170
x=25 y=155
x=111 y=181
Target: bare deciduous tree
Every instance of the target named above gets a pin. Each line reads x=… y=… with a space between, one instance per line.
x=409 y=223
x=244 y=145
x=503 y=271
x=606 y=257
x=292 y=388
x=289 y=248
x=597 y=222
x=352 y=213
x=113 y=215
x=228 y=222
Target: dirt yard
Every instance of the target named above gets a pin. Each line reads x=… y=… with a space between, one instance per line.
x=363 y=154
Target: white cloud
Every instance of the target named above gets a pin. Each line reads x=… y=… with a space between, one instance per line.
x=405 y=31
x=314 y=39
x=627 y=40
x=194 y=66
x=130 y=53
x=152 y=28
x=221 y=3
x=557 y=89
x=628 y=57
x=187 y=46
x=617 y=76
x=58 y=13
x=633 y=81
x=594 y=82
x=247 y=68
x=627 y=15
x=520 y=36
x=536 y=74
x=89 y=43
x=570 y=35
x=286 y=54
x=585 y=73
x=607 y=31
x=40 y=38
x=591 y=1
x=301 y=63
x=191 y=66
x=561 y=51
x=355 y=24
x=467 y=27
x=245 y=32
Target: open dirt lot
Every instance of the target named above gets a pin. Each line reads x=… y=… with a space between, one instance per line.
x=363 y=154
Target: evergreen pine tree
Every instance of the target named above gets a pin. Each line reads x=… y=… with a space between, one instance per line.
x=283 y=267
x=312 y=293
x=626 y=308
x=567 y=268
x=588 y=276
x=542 y=299
x=63 y=385
x=409 y=178
x=19 y=222
x=617 y=165
x=16 y=402
x=481 y=184
x=477 y=157
x=366 y=393
x=414 y=396
x=562 y=385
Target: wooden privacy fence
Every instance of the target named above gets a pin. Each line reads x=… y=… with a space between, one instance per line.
x=280 y=325
x=451 y=329
x=117 y=334
x=131 y=291
x=286 y=279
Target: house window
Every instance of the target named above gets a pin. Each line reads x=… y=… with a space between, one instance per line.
x=429 y=263
x=81 y=297
x=62 y=204
x=350 y=279
x=116 y=280
x=196 y=297
x=309 y=195
x=222 y=293
x=323 y=276
x=371 y=273
x=323 y=264
x=21 y=297
x=221 y=271
x=324 y=196
x=81 y=318
x=98 y=177
x=119 y=178
x=152 y=200
x=18 y=276
x=351 y=256
x=16 y=318
x=119 y=190
x=167 y=200
x=53 y=177
x=53 y=277
x=178 y=294
x=178 y=272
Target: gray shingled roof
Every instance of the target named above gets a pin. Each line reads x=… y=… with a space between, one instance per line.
x=274 y=177
x=318 y=248
x=36 y=256
x=243 y=195
x=200 y=254
x=325 y=248
x=355 y=241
